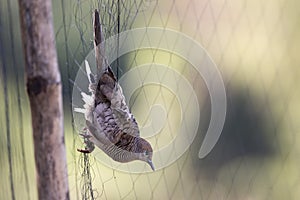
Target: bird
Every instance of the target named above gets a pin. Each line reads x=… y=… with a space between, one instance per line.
x=110 y=125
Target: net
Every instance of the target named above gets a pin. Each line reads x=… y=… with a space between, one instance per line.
x=254 y=45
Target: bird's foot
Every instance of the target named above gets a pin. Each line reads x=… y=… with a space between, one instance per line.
x=84 y=150
x=89 y=146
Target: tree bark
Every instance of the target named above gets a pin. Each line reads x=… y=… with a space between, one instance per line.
x=44 y=90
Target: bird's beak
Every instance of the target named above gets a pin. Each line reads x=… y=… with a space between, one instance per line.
x=151 y=164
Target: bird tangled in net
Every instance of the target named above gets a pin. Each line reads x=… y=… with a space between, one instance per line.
x=109 y=124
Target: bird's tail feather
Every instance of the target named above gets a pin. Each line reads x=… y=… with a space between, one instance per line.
x=99 y=49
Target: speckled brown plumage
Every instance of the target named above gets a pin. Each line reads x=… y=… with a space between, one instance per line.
x=110 y=125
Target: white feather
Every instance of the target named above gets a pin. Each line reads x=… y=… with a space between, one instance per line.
x=79 y=110
x=88 y=99
x=88 y=70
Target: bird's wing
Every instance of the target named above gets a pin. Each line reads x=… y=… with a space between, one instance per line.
x=97 y=134
x=109 y=92
x=127 y=122
x=124 y=117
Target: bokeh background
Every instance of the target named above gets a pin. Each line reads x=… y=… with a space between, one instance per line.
x=255 y=45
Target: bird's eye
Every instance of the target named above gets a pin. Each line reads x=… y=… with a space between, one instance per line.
x=146 y=153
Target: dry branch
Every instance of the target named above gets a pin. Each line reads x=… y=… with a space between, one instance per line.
x=44 y=90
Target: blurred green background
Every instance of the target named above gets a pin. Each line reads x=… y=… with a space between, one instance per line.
x=255 y=45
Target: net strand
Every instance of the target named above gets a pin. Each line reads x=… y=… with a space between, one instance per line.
x=87 y=191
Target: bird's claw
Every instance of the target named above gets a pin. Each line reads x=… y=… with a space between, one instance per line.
x=89 y=146
x=84 y=150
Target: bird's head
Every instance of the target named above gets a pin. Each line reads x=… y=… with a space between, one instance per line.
x=145 y=152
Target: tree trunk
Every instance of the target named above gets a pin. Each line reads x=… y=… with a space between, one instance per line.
x=44 y=90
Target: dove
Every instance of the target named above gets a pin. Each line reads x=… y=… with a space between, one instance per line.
x=110 y=125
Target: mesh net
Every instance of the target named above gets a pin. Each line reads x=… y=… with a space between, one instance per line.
x=255 y=46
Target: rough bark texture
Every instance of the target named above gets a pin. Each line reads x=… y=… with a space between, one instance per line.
x=44 y=91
